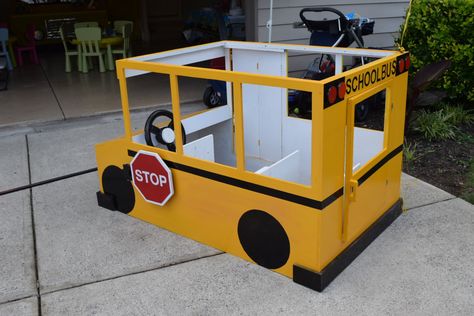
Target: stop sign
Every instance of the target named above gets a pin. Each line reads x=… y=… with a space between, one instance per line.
x=152 y=177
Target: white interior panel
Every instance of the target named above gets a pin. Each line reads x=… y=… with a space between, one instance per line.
x=297 y=136
x=208 y=118
x=367 y=144
x=261 y=104
x=223 y=144
x=285 y=169
x=184 y=56
x=202 y=148
x=140 y=139
x=228 y=66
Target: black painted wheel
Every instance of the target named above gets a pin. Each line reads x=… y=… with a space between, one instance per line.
x=211 y=98
x=303 y=103
x=164 y=135
x=362 y=111
x=116 y=184
x=264 y=239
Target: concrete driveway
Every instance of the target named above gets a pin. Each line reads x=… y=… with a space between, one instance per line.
x=60 y=254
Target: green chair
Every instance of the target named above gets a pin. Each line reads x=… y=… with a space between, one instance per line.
x=125 y=50
x=89 y=38
x=86 y=24
x=69 y=52
x=5 y=71
x=3 y=47
x=118 y=26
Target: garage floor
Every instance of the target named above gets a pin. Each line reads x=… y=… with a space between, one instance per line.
x=61 y=254
x=42 y=93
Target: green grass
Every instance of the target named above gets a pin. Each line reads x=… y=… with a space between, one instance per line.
x=458 y=115
x=436 y=125
x=410 y=153
x=444 y=122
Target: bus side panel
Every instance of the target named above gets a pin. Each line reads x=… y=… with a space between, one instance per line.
x=397 y=115
x=382 y=189
x=370 y=203
x=112 y=152
x=209 y=212
x=331 y=232
x=329 y=145
x=333 y=152
x=394 y=167
x=374 y=196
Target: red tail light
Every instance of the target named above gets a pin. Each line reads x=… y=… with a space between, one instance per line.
x=332 y=94
x=407 y=62
x=341 y=90
x=401 y=66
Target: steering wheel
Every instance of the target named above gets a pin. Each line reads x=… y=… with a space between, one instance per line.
x=164 y=135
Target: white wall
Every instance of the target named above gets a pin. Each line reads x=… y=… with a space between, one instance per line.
x=388 y=16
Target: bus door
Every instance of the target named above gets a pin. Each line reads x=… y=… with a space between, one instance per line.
x=366 y=145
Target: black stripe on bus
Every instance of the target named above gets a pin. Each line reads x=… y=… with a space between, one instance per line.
x=254 y=187
x=274 y=192
x=380 y=164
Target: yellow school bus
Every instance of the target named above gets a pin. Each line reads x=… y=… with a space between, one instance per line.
x=300 y=196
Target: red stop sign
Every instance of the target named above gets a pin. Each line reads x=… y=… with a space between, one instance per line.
x=152 y=177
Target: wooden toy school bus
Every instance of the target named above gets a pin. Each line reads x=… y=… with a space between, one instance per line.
x=302 y=197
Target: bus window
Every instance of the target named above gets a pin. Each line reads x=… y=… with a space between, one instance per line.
x=210 y=133
x=276 y=145
x=369 y=133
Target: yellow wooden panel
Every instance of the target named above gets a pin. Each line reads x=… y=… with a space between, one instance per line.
x=208 y=211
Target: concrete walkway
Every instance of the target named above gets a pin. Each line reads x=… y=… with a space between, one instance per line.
x=60 y=254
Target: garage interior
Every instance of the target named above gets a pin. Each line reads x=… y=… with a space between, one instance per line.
x=45 y=92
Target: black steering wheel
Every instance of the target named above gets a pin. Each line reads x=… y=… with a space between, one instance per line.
x=164 y=135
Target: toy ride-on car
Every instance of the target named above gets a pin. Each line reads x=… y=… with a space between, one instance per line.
x=302 y=197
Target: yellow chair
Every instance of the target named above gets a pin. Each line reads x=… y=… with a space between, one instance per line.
x=89 y=38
